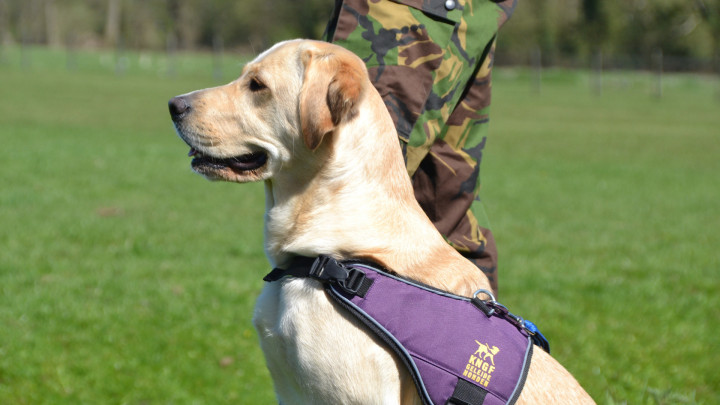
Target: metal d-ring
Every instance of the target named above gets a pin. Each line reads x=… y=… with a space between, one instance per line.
x=486 y=292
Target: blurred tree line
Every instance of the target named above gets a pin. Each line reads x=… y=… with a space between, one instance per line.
x=559 y=29
x=562 y=29
x=152 y=24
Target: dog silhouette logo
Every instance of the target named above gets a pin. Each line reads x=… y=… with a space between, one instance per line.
x=481 y=364
x=484 y=351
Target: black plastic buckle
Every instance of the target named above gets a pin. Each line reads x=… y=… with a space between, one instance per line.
x=353 y=282
x=325 y=268
x=349 y=279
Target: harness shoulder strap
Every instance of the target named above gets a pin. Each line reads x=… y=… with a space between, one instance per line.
x=325 y=269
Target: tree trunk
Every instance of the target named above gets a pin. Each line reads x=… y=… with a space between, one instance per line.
x=112 y=23
x=4 y=23
x=52 y=29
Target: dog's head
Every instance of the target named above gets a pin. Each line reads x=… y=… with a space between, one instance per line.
x=283 y=106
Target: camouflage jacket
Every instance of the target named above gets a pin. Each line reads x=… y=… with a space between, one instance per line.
x=431 y=62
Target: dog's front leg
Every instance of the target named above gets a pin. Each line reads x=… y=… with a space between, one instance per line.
x=318 y=354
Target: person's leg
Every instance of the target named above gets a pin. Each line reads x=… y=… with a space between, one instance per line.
x=431 y=62
x=447 y=180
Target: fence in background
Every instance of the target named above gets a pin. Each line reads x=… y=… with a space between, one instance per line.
x=657 y=64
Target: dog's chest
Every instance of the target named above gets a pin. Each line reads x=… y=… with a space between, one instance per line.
x=318 y=355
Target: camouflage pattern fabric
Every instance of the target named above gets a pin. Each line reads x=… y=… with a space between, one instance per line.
x=431 y=62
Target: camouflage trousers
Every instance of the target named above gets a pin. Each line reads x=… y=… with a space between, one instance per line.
x=431 y=61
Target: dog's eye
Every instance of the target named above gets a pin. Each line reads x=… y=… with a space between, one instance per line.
x=256 y=85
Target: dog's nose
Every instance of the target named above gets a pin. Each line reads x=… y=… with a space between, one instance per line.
x=178 y=107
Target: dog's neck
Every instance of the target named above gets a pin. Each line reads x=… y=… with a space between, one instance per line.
x=355 y=206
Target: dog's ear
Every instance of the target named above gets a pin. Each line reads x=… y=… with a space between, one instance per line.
x=331 y=91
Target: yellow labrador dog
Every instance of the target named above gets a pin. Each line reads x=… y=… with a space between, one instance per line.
x=304 y=118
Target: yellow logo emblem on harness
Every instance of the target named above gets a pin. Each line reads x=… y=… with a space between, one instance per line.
x=481 y=364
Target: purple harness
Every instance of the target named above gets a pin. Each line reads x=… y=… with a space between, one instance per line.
x=459 y=350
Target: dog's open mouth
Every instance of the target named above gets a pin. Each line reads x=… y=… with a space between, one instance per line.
x=238 y=164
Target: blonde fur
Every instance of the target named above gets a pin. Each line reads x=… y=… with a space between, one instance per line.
x=335 y=184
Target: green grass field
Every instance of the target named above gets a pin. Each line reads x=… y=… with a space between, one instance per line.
x=126 y=279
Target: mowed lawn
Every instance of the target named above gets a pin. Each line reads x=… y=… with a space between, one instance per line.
x=125 y=278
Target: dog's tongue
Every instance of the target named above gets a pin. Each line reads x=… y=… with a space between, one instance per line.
x=192 y=152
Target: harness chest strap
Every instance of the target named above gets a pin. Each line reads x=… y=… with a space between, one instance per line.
x=458 y=350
